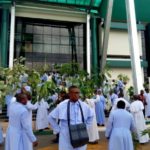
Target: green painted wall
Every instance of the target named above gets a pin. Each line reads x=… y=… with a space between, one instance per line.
x=124 y=64
x=119 y=10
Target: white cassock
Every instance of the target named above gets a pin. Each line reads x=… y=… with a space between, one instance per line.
x=42 y=115
x=136 y=109
x=30 y=107
x=60 y=112
x=93 y=130
x=147 y=107
x=18 y=129
x=9 y=100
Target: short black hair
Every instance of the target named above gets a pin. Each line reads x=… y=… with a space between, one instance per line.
x=72 y=87
x=121 y=104
x=19 y=96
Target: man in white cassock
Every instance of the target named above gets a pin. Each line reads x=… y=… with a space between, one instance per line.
x=136 y=109
x=93 y=129
x=19 y=128
x=30 y=107
x=60 y=112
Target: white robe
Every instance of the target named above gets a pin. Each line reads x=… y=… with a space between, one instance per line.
x=136 y=109
x=18 y=129
x=9 y=100
x=147 y=107
x=119 y=125
x=42 y=115
x=93 y=130
x=30 y=107
x=60 y=112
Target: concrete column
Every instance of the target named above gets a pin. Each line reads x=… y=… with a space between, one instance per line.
x=134 y=47
x=106 y=33
x=88 y=45
x=12 y=37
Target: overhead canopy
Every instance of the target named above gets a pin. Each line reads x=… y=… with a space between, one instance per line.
x=119 y=10
x=93 y=5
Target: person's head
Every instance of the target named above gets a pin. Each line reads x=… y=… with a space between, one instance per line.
x=121 y=104
x=22 y=98
x=99 y=91
x=120 y=95
x=62 y=95
x=141 y=92
x=147 y=90
x=74 y=93
x=136 y=97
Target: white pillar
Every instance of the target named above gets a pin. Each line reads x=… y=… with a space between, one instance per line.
x=12 y=36
x=134 y=47
x=106 y=33
x=88 y=45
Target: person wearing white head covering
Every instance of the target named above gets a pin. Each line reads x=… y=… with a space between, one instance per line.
x=119 y=127
x=120 y=97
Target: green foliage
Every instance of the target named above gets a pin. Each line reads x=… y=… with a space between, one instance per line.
x=67 y=68
x=130 y=92
x=146 y=131
x=146 y=85
x=9 y=78
x=45 y=89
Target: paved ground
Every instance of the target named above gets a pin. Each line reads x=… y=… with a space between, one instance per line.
x=46 y=144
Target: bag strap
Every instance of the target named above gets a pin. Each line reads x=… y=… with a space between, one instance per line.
x=68 y=112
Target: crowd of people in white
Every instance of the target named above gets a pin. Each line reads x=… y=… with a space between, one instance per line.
x=129 y=115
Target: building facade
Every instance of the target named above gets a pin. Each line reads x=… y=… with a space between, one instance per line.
x=49 y=32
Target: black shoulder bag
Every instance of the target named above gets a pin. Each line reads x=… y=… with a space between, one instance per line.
x=78 y=132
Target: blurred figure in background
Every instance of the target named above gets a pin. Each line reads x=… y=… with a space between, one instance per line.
x=136 y=109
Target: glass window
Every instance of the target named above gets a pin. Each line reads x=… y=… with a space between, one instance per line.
x=47 y=30
x=55 y=39
x=64 y=32
x=55 y=31
x=18 y=37
x=28 y=46
x=64 y=40
x=47 y=39
x=55 y=48
x=19 y=27
x=64 y=49
x=38 y=29
x=29 y=29
x=47 y=48
x=37 y=47
x=38 y=38
x=48 y=42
